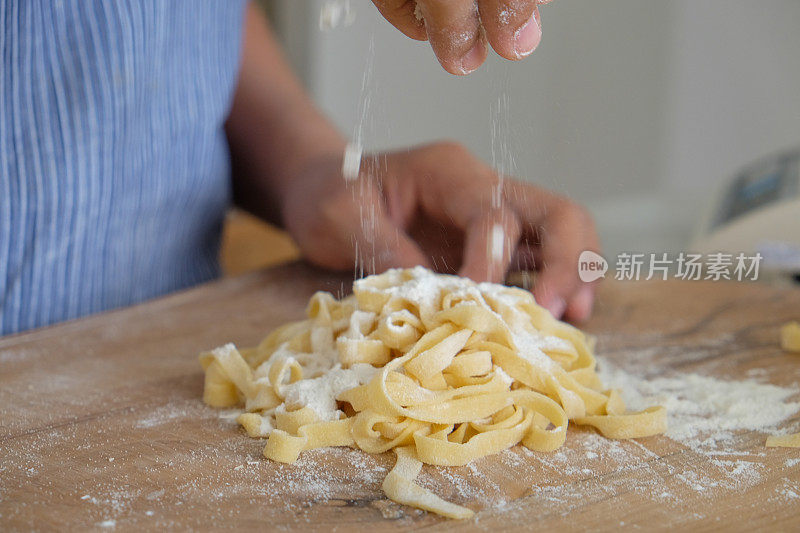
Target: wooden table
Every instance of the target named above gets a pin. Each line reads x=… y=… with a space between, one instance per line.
x=102 y=425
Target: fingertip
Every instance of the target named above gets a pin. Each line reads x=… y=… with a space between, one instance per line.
x=475 y=57
x=418 y=37
x=527 y=37
x=415 y=31
x=466 y=64
x=513 y=34
x=454 y=31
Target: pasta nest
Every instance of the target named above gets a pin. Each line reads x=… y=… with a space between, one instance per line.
x=438 y=368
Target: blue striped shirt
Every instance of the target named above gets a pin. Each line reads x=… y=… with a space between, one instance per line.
x=114 y=168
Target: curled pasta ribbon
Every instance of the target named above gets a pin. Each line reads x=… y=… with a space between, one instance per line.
x=399 y=485
x=437 y=368
x=284 y=447
x=628 y=426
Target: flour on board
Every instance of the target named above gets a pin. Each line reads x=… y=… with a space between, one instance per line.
x=320 y=393
x=702 y=410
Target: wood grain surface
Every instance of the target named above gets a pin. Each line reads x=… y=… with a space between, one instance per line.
x=101 y=425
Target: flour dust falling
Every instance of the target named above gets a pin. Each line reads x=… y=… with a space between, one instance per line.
x=363 y=185
x=504 y=164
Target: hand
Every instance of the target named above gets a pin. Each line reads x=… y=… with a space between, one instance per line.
x=440 y=207
x=458 y=30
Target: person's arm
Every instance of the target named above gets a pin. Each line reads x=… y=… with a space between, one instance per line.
x=273 y=128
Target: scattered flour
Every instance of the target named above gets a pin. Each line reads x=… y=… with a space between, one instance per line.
x=702 y=411
x=705 y=414
x=587 y=469
x=789 y=493
x=161 y=415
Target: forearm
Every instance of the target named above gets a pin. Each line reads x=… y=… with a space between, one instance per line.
x=273 y=129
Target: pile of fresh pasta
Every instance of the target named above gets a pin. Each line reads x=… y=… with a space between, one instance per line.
x=437 y=368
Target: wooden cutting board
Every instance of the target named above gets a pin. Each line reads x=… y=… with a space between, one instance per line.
x=101 y=425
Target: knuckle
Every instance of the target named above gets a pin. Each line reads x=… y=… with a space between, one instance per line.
x=584 y=217
x=572 y=211
x=451 y=148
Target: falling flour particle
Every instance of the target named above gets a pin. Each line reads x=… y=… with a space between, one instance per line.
x=351 y=163
x=108 y=523
x=497 y=243
x=334 y=13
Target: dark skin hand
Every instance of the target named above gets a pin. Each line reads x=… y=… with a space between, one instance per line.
x=433 y=206
x=460 y=31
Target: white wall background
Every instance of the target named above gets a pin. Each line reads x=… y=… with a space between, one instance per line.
x=637 y=109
